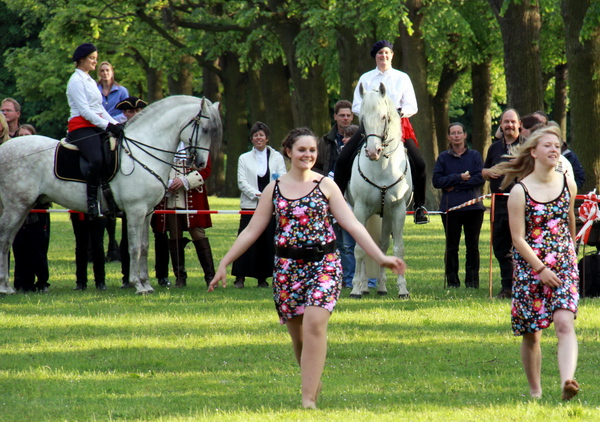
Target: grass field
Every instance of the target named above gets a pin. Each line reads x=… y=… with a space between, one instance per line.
x=187 y=355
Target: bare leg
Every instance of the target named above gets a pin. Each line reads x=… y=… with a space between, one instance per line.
x=309 y=339
x=531 y=356
x=567 y=351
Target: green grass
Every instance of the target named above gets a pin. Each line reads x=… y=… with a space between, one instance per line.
x=187 y=355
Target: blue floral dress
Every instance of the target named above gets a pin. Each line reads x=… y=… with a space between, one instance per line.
x=547 y=232
x=296 y=284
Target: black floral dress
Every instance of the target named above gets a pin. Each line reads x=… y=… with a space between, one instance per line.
x=547 y=232
x=296 y=283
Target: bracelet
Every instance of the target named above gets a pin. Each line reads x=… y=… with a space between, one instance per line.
x=542 y=268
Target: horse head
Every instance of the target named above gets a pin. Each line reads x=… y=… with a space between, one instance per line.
x=203 y=133
x=380 y=120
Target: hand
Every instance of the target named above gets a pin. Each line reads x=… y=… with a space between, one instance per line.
x=548 y=278
x=465 y=176
x=175 y=185
x=117 y=130
x=220 y=275
x=490 y=173
x=397 y=265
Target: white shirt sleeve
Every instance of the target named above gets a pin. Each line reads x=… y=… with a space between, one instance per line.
x=86 y=101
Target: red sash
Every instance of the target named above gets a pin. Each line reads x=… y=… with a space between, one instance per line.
x=78 y=122
x=407 y=130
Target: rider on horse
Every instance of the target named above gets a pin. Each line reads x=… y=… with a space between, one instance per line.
x=399 y=88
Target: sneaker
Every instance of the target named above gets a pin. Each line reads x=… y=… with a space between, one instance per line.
x=421 y=216
x=164 y=282
x=504 y=294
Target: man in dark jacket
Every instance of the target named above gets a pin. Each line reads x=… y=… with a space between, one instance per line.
x=331 y=144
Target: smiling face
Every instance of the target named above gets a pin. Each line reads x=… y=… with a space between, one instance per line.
x=88 y=63
x=547 y=150
x=303 y=153
x=510 y=125
x=259 y=140
x=383 y=59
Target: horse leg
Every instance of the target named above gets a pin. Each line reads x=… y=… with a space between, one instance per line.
x=359 y=282
x=384 y=243
x=397 y=228
x=144 y=277
x=135 y=231
x=10 y=222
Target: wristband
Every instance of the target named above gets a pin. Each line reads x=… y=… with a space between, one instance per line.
x=542 y=268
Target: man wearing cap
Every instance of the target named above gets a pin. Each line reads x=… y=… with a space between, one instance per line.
x=400 y=89
x=131 y=106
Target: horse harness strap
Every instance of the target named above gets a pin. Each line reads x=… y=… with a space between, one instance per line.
x=383 y=189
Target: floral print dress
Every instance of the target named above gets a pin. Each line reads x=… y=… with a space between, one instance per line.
x=296 y=284
x=547 y=232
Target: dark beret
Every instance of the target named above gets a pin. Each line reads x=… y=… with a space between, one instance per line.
x=83 y=51
x=131 y=103
x=379 y=45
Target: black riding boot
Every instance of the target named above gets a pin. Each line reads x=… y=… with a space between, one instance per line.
x=177 y=250
x=205 y=257
x=92 y=201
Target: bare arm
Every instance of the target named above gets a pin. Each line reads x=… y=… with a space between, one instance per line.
x=247 y=237
x=516 y=214
x=345 y=217
x=572 y=219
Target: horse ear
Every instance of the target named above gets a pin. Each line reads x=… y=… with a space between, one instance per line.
x=217 y=105
x=361 y=90
x=382 y=89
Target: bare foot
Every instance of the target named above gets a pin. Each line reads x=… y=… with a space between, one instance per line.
x=309 y=404
x=570 y=389
x=535 y=394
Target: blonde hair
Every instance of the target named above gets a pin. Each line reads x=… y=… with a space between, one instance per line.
x=4 y=125
x=522 y=163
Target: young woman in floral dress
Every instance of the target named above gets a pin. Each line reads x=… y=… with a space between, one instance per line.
x=542 y=225
x=307 y=277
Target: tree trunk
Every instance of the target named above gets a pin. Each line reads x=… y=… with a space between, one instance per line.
x=415 y=64
x=309 y=91
x=154 y=84
x=481 y=82
x=583 y=59
x=210 y=89
x=559 y=110
x=440 y=102
x=275 y=88
x=181 y=83
x=354 y=60
x=235 y=124
x=520 y=26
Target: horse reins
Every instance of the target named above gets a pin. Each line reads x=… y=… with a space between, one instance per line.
x=194 y=136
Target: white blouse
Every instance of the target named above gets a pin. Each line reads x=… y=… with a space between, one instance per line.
x=86 y=101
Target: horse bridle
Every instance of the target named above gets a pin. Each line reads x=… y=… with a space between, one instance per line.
x=194 y=137
x=384 y=144
x=384 y=134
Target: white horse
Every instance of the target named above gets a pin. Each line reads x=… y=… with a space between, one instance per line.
x=146 y=156
x=381 y=184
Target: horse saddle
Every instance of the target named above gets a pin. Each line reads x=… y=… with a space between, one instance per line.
x=69 y=165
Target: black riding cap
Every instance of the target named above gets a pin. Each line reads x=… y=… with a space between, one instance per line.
x=131 y=103
x=379 y=45
x=83 y=50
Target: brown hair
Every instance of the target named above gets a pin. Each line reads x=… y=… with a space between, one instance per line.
x=28 y=127
x=293 y=136
x=342 y=104
x=350 y=130
x=464 y=129
x=113 y=73
x=522 y=163
x=259 y=126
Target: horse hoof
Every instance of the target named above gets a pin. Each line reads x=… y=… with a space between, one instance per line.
x=7 y=290
x=355 y=296
x=405 y=296
x=382 y=293
x=365 y=293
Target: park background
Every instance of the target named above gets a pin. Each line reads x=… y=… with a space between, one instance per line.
x=287 y=62
x=182 y=355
